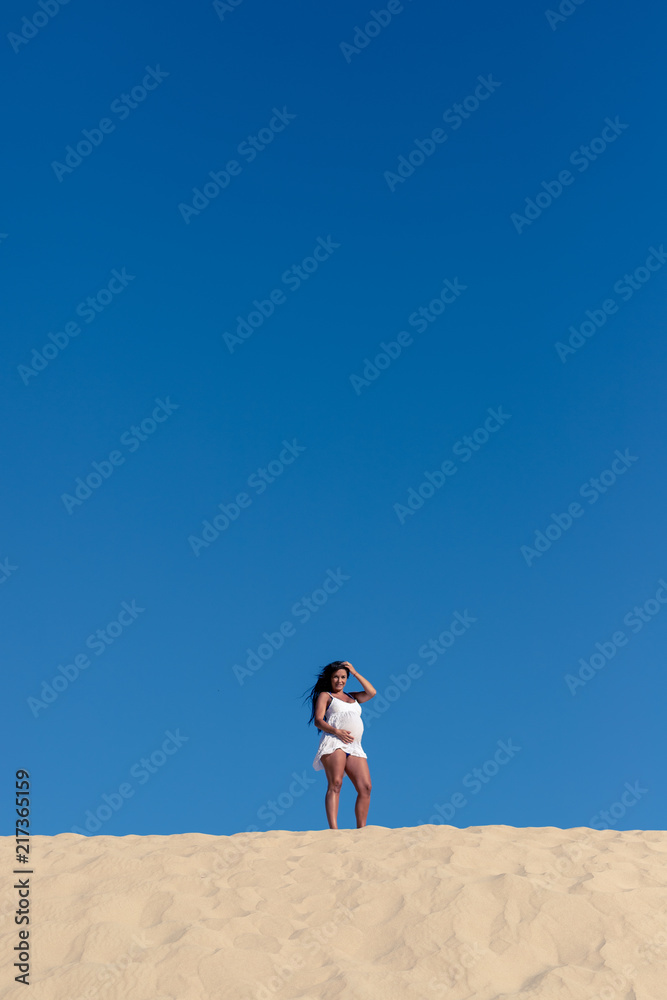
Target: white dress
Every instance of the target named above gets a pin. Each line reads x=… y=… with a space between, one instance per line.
x=341 y=715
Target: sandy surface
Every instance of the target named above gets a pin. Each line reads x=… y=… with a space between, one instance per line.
x=483 y=913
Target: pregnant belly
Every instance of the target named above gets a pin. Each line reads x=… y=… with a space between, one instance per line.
x=353 y=723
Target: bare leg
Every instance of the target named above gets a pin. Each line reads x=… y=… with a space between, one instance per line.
x=357 y=771
x=334 y=767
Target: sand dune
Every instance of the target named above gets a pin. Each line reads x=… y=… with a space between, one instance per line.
x=483 y=913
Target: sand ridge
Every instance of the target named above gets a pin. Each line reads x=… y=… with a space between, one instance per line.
x=482 y=913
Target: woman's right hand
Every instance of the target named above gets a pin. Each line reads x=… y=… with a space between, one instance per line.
x=345 y=735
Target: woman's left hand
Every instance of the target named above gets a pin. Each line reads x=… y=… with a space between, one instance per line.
x=352 y=670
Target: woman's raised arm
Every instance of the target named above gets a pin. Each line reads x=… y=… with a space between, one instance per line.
x=368 y=692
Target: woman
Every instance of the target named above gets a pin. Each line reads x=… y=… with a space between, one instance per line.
x=340 y=751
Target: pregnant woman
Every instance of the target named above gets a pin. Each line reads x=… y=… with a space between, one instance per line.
x=338 y=715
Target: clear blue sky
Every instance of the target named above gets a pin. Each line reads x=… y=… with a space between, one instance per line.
x=235 y=323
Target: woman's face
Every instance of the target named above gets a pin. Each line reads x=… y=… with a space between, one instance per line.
x=338 y=680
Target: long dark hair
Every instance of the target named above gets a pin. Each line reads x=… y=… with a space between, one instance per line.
x=323 y=683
